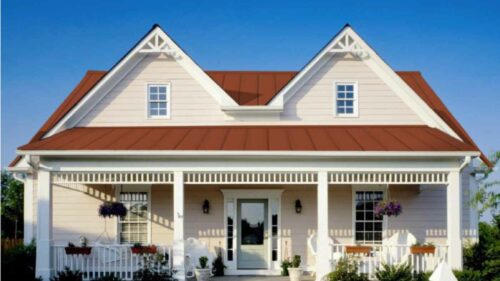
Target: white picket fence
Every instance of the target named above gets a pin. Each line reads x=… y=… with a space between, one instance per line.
x=379 y=255
x=108 y=259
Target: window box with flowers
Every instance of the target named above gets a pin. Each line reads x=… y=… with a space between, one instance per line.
x=139 y=249
x=358 y=249
x=423 y=249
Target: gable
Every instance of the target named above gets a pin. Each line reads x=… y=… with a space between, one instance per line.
x=126 y=103
x=377 y=103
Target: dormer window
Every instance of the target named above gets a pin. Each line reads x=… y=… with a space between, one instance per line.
x=159 y=101
x=346 y=99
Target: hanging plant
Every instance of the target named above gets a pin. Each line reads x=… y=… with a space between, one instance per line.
x=112 y=209
x=389 y=208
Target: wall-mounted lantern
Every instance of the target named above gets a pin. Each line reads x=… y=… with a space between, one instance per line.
x=206 y=207
x=298 y=206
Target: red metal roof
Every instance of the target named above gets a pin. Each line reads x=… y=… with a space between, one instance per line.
x=253 y=138
x=258 y=88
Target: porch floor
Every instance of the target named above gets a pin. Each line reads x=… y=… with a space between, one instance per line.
x=260 y=278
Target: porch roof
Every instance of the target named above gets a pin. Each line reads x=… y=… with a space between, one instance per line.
x=254 y=138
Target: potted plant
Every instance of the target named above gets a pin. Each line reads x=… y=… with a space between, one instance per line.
x=285 y=264
x=294 y=269
x=422 y=249
x=139 y=249
x=202 y=272
x=358 y=249
x=71 y=249
x=218 y=265
x=112 y=209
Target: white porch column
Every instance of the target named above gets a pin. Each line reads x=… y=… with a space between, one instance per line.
x=323 y=250
x=454 y=220
x=178 y=248
x=28 y=209
x=44 y=226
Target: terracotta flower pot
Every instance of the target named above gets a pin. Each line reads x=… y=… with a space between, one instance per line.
x=295 y=273
x=78 y=250
x=143 y=250
x=358 y=249
x=422 y=250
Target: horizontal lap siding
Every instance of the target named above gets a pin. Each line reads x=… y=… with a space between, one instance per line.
x=75 y=212
x=315 y=100
x=162 y=219
x=126 y=104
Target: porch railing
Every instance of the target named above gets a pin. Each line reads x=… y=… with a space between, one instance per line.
x=379 y=255
x=109 y=259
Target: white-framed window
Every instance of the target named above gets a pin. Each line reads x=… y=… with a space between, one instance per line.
x=135 y=227
x=368 y=228
x=158 y=100
x=346 y=99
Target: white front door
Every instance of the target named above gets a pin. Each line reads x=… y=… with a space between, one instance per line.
x=253 y=234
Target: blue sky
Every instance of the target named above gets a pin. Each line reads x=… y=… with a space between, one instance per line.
x=48 y=46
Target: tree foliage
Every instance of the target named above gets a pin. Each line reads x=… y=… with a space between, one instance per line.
x=12 y=206
x=486 y=197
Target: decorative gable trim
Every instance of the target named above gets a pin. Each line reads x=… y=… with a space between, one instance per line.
x=155 y=41
x=348 y=41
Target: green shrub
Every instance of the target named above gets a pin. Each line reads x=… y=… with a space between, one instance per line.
x=68 y=275
x=295 y=262
x=346 y=270
x=469 y=275
x=218 y=265
x=421 y=276
x=153 y=269
x=203 y=262
x=18 y=263
x=108 y=277
x=285 y=264
x=394 y=273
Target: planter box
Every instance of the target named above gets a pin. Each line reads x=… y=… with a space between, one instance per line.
x=143 y=250
x=422 y=250
x=202 y=274
x=78 y=250
x=295 y=274
x=358 y=249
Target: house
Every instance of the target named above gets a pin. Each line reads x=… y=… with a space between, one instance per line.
x=255 y=165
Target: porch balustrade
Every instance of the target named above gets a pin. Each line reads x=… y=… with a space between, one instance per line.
x=109 y=259
x=369 y=262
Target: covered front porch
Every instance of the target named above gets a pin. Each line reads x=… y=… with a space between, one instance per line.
x=333 y=215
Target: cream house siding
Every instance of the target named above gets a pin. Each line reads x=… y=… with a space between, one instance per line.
x=75 y=212
x=162 y=225
x=126 y=103
x=378 y=104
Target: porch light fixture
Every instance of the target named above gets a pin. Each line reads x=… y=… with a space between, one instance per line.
x=298 y=206
x=206 y=207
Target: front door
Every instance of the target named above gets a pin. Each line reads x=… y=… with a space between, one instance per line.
x=252 y=234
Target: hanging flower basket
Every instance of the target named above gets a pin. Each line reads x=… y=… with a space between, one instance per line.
x=112 y=209
x=137 y=249
x=390 y=209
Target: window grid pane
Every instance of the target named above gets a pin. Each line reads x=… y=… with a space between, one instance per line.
x=368 y=227
x=345 y=99
x=157 y=100
x=134 y=227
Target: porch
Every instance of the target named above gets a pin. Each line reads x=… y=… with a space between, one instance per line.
x=328 y=193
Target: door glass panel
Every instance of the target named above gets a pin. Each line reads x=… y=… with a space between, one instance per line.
x=252 y=223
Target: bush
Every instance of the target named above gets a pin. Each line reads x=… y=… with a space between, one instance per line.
x=18 y=263
x=218 y=265
x=108 y=277
x=68 y=275
x=346 y=270
x=394 y=273
x=421 y=276
x=153 y=269
x=285 y=264
x=469 y=275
